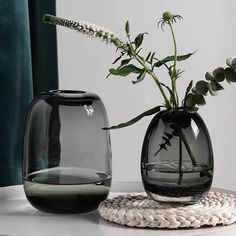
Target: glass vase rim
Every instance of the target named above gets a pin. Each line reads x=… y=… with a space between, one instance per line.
x=69 y=93
x=180 y=109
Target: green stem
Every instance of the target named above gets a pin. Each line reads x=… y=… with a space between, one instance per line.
x=180 y=161
x=174 y=41
x=173 y=79
x=191 y=155
x=148 y=69
x=161 y=89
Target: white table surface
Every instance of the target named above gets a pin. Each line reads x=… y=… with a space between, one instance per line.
x=19 y=218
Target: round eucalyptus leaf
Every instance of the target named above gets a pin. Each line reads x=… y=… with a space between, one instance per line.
x=191 y=109
x=199 y=99
x=230 y=75
x=201 y=87
x=193 y=90
x=213 y=93
x=231 y=62
x=209 y=76
x=189 y=101
x=219 y=74
x=215 y=86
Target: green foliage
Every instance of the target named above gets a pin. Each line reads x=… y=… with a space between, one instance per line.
x=167 y=137
x=127 y=27
x=194 y=95
x=148 y=65
x=190 y=85
x=136 y=119
x=143 y=66
x=125 y=62
x=231 y=62
x=209 y=76
x=125 y=70
x=230 y=74
x=148 y=56
x=201 y=87
x=172 y=58
x=219 y=74
x=211 y=85
x=140 y=76
x=139 y=40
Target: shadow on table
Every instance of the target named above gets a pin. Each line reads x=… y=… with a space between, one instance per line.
x=20 y=207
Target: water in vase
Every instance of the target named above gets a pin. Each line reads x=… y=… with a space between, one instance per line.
x=163 y=181
x=66 y=189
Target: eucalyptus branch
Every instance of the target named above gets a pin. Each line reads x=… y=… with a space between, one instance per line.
x=195 y=95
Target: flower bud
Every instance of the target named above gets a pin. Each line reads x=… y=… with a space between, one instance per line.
x=167 y=16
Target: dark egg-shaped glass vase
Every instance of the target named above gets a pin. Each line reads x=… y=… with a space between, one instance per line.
x=177 y=157
x=67 y=154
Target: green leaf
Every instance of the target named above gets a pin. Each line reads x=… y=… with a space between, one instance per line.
x=190 y=85
x=169 y=136
x=136 y=119
x=139 y=52
x=170 y=92
x=125 y=62
x=148 y=56
x=231 y=62
x=171 y=58
x=193 y=90
x=215 y=86
x=140 y=77
x=199 y=99
x=125 y=70
x=209 y=76
x=152 y=56
x=213 y=93
x=139 y=39
x=189 y=101
x=127 y=27
x=219 y=74
x=118 y=58
x=201 y=87
x=230 y=75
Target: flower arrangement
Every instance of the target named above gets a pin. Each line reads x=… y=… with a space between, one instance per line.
x=133 y=62
x=130 y=51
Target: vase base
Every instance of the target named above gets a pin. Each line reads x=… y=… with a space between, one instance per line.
x=181 y=200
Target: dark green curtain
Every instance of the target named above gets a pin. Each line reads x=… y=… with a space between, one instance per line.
x=28 y=65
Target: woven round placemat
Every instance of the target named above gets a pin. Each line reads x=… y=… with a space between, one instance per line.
x=139 y=210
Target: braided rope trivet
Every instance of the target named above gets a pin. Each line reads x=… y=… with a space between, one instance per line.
x=138 y=210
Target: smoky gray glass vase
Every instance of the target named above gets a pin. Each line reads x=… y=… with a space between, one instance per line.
x=177 y=158
x=67 y=154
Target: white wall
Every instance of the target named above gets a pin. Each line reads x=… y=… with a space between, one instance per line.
x=208 y=27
